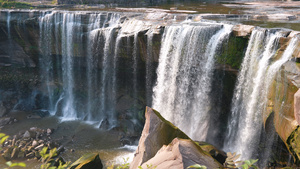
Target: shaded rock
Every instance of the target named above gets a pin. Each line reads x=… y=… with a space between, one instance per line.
x=41 y=113
x=88 y=161
x=5 y=120
x=3 y=109
x=242 y=30
x=156 y=133
x=217 y=154
x=27 y=134
x=180 y=154
x=297 y=106
x=49 y=131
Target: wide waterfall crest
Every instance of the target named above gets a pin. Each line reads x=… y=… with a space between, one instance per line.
x=184 y=73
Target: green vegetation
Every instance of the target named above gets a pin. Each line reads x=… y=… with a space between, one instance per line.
x=231 y=162
x=13 y=4
x=125 y=165
x=47 y=158
x=233 y=52
x=9 y=164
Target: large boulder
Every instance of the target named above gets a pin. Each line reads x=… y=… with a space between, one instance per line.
x=158 y=133
x=180 y=154
x=3 y=109
x=88 y=161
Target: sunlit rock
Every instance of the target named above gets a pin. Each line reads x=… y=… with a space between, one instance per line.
x=180 y=154
x=242 y=30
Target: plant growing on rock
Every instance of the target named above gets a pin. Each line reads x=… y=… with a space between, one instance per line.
x=3 y=138
x=231 y=162
x=48 y=159
x=149 y=166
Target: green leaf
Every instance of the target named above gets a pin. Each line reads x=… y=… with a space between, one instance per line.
x=197 y=166
x=245 y=166
x=18 y=164
x=8 y=163
x=252 y=161
x=53 y=167
x=53 y=153
x=3 y=139
x=2 y=135
x=43 y=151
x=248 y=162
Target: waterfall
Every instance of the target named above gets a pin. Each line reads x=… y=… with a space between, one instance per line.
x=135 y=67
x=149 y=68
x=68 y=31
x=185 y=69
x=69 y=110
x=250 y=95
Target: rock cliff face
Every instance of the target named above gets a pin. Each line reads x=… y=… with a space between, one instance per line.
x=22 y=85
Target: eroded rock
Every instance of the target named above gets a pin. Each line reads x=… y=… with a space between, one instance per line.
x=180 y=154
x=242 y=30
x=156 y=133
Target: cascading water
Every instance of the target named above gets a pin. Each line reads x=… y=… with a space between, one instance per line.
x=67 y=29
x=184 y=73
x=251 y=91
x=149 y=66
x=135 y=65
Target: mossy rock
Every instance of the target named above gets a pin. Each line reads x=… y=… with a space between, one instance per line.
x=233 y=52
x=217 y=154
x=88 y=161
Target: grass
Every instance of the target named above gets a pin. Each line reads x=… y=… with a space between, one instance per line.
x=13 y=4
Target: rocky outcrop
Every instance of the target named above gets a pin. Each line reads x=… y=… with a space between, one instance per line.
x=156 y=135
x=283 y=101
x=180 y=154
x=242 y=30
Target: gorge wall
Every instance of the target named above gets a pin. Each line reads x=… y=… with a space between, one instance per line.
x=230 y=85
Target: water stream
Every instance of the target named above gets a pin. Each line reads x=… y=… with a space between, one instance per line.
x=186 y=64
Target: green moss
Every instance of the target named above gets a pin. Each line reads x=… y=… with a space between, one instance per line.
x=13 y=4
x=233 y=52
x=293 y=144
